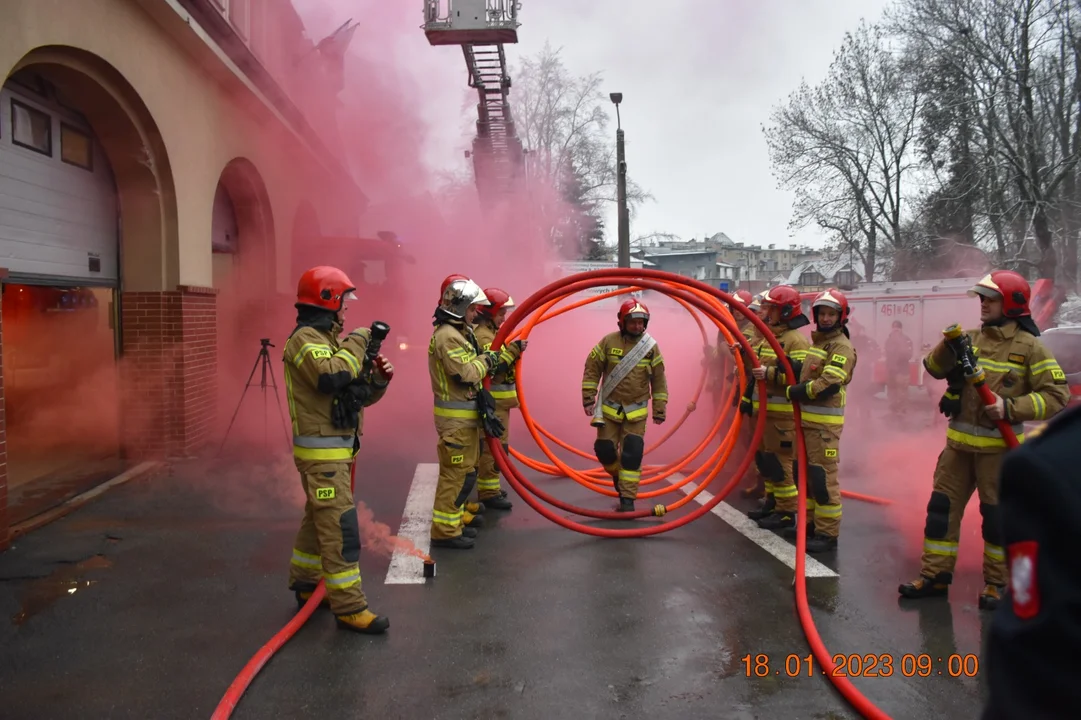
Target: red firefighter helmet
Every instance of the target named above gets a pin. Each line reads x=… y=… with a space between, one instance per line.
x=832 y=298
x=785 y=297
x=1012 y=288
x=742 y=296
x=497 y=300
x=447 y=282
x=630 y=310
x=325 y=287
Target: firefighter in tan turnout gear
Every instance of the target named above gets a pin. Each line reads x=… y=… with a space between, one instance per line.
x=456 y=366
x=1028 y=385
x=503 y=388
x=328 y=383
x=784 y=317
x=824 y=373
x=632 y=368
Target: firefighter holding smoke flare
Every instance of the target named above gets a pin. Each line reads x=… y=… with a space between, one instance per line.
x=456 y=367
x=632 y=368
x=328 y=384
x=504 y=391
x=784 y=314
x=825 y=371
x=1027 y=384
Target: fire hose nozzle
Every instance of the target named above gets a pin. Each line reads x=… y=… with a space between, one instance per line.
x=977 y=376
x=953 y=332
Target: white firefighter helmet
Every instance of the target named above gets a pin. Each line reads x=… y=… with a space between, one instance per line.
x=459 y=295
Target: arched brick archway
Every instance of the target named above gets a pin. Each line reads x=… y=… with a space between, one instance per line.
x=244 y=275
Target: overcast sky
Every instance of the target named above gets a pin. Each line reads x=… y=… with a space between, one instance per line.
x=698 y=80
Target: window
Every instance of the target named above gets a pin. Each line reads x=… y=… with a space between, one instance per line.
x=846 y=277
x=76 y=147
x=810 y=278
x=31 y=128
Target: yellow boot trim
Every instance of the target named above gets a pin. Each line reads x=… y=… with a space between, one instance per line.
x=364 y=621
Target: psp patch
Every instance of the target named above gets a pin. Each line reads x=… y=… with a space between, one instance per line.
x=831 y=452
x=456 y=459
x=324 y=493
x=1015 y=358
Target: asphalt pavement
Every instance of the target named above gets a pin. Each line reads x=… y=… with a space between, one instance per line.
x=147 y=602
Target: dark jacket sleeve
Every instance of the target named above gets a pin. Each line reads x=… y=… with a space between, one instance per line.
x=1033 y=662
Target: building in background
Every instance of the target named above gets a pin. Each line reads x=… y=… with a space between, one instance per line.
x=722 y=262
x=161 y=164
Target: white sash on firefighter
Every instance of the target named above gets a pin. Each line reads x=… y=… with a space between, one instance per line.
x=628 y=363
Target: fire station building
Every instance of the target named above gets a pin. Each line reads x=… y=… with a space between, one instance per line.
x=160 y=161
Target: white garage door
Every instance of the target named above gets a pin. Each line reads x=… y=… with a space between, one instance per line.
x=59 y=219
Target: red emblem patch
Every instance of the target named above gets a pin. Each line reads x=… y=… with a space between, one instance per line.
x=1023 y=586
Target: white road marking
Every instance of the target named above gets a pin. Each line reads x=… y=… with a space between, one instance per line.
x=405 y=568
x=769 y=541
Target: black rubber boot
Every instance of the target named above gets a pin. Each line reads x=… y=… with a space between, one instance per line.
x=778 y=521
x=456 y=543
x=499 y=502
x=789 y=533
x=923 y=587
x=821 y=544
x=471 y=520
x=991 y=596
x=474 y=508
x=763 y=510
x=469 y=532
x=625 y=505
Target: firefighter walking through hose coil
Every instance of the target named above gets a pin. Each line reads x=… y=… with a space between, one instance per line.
x=504 y=392
x=774 y=459
x=328 y=384
x=456 y=367
x=1027 y=384
x=823 y=375
x=632 y=368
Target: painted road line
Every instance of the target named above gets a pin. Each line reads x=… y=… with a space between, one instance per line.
x=768 y=540
x=405 y=568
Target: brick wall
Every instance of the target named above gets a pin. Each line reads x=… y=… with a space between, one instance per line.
x=168 y=371
x=5 y=540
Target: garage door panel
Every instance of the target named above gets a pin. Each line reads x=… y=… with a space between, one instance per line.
x=39 y=196
x=56 y=217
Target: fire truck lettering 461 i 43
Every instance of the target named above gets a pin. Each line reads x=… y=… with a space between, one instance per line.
x=891 y=309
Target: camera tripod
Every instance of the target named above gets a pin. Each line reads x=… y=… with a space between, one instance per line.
x=263 y=361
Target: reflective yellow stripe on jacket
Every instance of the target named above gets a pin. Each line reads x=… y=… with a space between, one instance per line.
x=466 y=409
x=980 y=437
x=327 y=449
x=631 y=412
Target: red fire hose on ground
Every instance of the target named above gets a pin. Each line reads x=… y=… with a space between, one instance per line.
x=690 y=294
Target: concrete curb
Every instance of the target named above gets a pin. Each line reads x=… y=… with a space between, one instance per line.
x=41 y=519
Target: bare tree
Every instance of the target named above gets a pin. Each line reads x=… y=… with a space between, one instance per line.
x=563 y=121
x=1019 y=61
x=846 y=147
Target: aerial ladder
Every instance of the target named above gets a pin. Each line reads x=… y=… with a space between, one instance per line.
x=482 y=28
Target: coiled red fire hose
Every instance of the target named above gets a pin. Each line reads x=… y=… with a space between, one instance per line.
x=670 y=284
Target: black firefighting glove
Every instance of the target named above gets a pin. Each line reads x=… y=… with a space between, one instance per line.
x=797 y=368
x=486 y=407
x=745 y=406
x=950 y=403
x=797 y=393
x=346 y=405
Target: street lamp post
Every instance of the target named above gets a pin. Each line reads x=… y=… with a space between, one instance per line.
x=623 y=218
